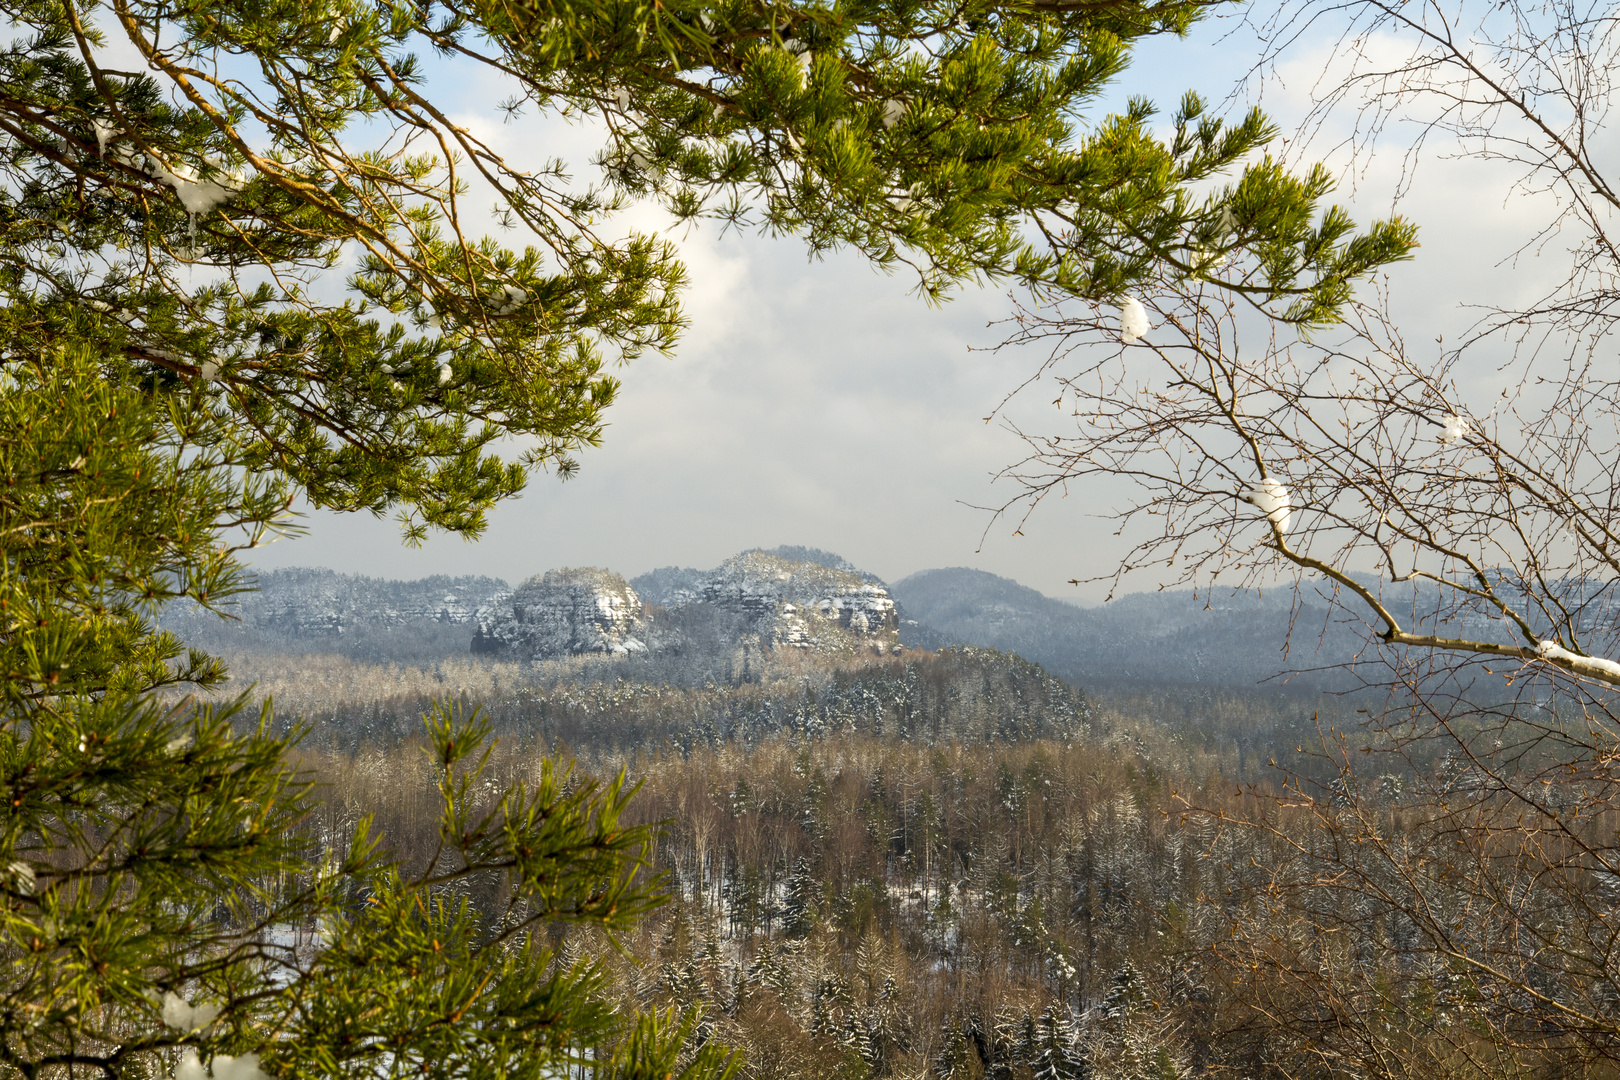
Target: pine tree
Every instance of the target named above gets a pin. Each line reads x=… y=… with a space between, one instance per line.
x=158 y=888
x=1130 y=1037
x=800 y=911
x=957 y=1057
x=1056 y=1049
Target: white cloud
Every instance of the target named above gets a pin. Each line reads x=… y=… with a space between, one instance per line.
x=820 y=403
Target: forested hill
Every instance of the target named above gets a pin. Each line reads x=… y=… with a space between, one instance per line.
x=1221 y=638
x=301 y=610
x=1224 y=639
x=957 y=694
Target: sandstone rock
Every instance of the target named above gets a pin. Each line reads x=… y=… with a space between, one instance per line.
x=564 y=613
x=804 y=605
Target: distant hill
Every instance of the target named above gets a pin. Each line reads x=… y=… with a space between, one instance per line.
x=1222 y=638
x=301 y=610
x=972 y=607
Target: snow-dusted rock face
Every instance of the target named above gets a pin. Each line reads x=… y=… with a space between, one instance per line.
x=804 y=605
x=794 y=598
x=563 y=613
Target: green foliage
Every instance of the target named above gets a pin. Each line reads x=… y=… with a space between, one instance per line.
x=265 y=146
x=108 y=507
x=151 y=853
x=129 y=833
x=1121 y=211
x=942 y=136
x=258 y=181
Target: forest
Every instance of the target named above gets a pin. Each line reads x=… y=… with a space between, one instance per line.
x=952 y=864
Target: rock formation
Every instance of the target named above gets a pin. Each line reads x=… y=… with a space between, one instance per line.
x=790 y=598
x=563 y=613
x=804 y=605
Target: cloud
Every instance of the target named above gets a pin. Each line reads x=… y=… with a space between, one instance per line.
x=820 y=403
x=812 y=402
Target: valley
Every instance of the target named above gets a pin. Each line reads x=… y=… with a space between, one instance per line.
x=942 y=828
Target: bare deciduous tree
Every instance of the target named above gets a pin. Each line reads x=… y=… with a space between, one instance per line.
x=1443 y=905
x=1346 y=459
x=1355 y=454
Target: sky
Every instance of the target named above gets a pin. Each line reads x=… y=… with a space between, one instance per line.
x=823 y=403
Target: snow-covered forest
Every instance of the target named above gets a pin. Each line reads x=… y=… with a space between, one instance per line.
x=954 y=865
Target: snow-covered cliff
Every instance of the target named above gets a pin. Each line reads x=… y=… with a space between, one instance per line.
x=772 y=599
x=803 y=605
x=571 y=612
x=793 y=598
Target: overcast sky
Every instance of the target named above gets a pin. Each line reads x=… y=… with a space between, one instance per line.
x=822 y=403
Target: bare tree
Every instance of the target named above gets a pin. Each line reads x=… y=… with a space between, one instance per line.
x=1344 y=458
x=1450 y=916
x=1443 y=905
x=1365 y=456
x=1524 y=86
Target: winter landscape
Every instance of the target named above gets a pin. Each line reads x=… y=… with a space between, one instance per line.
x=809 y=540
x=892 y=841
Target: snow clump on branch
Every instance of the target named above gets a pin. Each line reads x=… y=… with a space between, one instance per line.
x=225 y=1067
x=22 y=874
x=1271 y=499
x=183 y=1016
x=1583 y=665
x=1133 y=320
x=1454 y=429
x=800 y=51
x=197 y=194
x=106 y=131
x=904 y=200
x=512 y=298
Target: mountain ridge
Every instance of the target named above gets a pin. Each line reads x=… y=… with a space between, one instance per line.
x=1241 y=638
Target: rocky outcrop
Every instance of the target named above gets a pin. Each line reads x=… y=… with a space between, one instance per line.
x=804 y=605
x=774 y=600
x=790 y=598
x=563 y=613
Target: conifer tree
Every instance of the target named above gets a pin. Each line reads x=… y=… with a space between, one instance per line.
x=181 y=179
